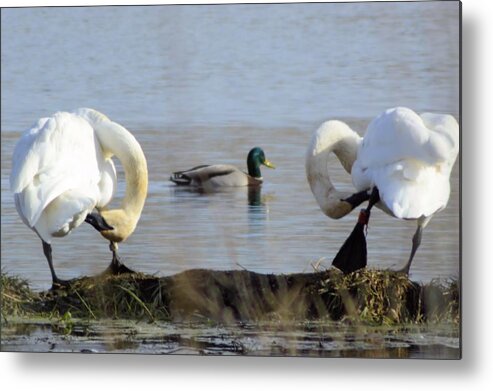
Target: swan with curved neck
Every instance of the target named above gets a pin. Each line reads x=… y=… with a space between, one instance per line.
x=338 y=138
x=116 y=140
x=406 y=157
x=62 y=170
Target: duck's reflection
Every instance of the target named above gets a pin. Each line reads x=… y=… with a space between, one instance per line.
x=257 y=212
x=254 y=196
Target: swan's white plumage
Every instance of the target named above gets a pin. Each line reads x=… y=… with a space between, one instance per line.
x=408 y=157
x=59 y=174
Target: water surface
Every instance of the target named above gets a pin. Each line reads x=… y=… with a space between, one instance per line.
x=204 y=84
x=312 y=339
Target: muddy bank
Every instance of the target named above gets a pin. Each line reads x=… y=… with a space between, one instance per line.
x=375 y=297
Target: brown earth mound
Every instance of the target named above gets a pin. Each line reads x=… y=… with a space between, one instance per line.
x=381 y=297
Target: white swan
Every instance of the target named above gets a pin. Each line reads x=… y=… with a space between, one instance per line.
x=406 y=156
x=62 y=170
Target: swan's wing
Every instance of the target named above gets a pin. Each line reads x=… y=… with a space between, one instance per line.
x=400 y=134
x=409 y=158
x=107 y=183
x=20 y=161
x=108 y=179
x=410 y=197
x=56 y=155
x=90 y=115
x=445 y=129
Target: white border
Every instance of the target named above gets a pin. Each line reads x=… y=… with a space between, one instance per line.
x=473 y=372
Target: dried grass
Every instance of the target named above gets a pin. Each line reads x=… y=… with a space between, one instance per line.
x=366 y=297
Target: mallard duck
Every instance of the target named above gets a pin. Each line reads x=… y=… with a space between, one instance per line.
x=224 y=175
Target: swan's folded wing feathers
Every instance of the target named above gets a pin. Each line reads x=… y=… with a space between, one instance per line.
x=400 y=134
x=36 y=196
x=444 y=137
x=409 y=158
x=392 y=136
x=107 y=183
x=410 y=191
x=25 y=162
x=51 y=159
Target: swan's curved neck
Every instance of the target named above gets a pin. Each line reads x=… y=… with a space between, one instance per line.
x=116 y=140
x=331 y=137
x=126 y=148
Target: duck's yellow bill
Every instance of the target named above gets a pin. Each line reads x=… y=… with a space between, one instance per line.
x=269 y=164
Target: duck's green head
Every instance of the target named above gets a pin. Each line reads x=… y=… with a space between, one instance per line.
x=256 y=157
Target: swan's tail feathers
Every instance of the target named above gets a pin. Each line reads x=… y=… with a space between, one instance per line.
x=184 y=178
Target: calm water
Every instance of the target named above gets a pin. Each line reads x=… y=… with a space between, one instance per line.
x=324 y=339
x=203 y=84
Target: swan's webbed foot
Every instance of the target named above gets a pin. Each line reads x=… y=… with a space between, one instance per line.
x=58 y=284
x=116 y=266
x=404 y=270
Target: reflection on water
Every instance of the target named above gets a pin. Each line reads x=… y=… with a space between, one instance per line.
x=257 y=212
x=244 y=75
x=314 y=339
x=254 y=198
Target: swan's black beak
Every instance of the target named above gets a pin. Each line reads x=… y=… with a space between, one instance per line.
x=357 y=199
x=98 y=222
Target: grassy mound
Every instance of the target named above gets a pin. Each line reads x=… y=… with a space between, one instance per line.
x=16 y=299
x=376 y=297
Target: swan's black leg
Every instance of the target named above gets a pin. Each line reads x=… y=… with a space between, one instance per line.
x=116 y=265
x=55 y=281
x=416 y=242
x=422 y=223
